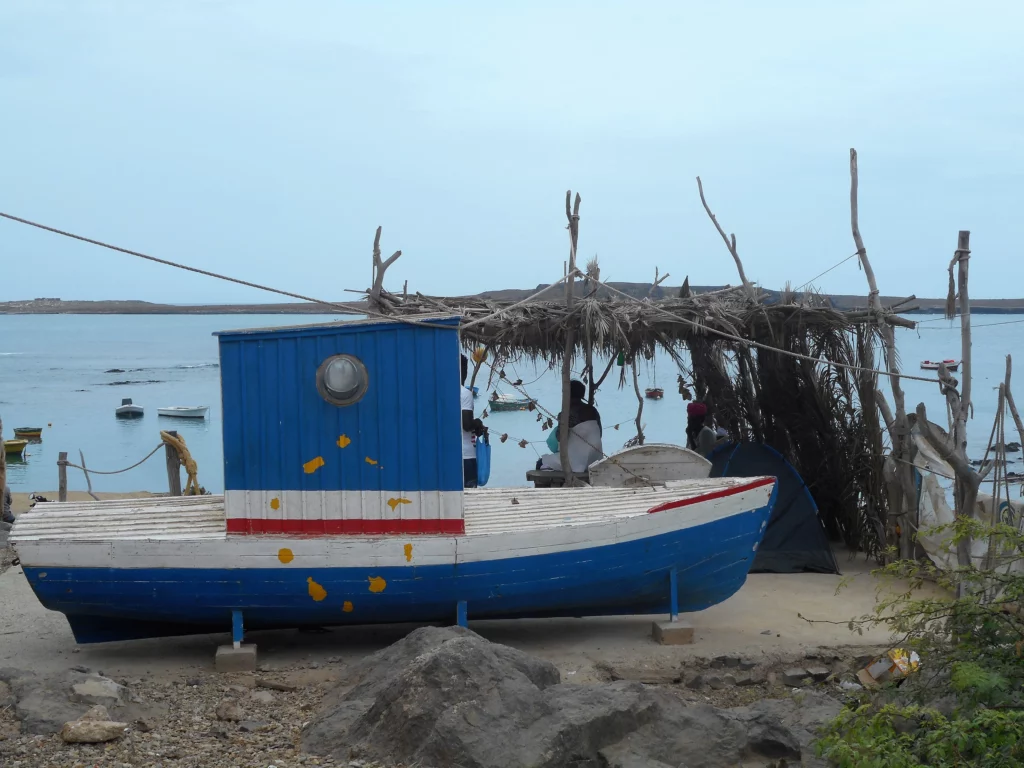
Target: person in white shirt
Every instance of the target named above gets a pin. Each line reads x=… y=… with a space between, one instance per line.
x=470 y=428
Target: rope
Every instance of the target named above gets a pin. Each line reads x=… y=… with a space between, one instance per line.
x=856 y=253
x=119 y=471
x=351 y=309
x=192 y=487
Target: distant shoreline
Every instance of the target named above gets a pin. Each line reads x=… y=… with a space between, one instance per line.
x=54 y=306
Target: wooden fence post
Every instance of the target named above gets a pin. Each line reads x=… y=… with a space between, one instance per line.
x=62 y=476
x=3 y=461
x=173 y=468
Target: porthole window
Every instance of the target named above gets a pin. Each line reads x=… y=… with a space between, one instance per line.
x=342 y=380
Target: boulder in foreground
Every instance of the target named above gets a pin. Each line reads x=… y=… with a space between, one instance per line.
x=443 y=697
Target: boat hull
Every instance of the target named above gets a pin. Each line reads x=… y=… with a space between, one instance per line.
x=129 y=412
x=183 y=413
x=28 y=433
x=509 y=405
x=293 y=581
x=15 y=447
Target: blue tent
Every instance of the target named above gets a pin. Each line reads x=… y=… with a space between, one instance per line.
x=795 y=540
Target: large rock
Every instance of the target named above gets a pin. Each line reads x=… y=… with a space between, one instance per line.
x=44 y=703
x=445 y=697
x=96 y=689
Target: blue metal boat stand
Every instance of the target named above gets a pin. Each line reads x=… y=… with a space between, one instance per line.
x=461 y=615
x=238 y=631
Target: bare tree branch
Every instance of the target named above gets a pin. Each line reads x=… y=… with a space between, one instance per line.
x=730 y=242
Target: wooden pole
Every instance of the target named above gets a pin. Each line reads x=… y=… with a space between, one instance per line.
x=3 y=462
x=173 y=468
x=563 y=428
x=1012 y=405
x=62 y=476
x=899 y=426
x=640 y=401
x=963 y=256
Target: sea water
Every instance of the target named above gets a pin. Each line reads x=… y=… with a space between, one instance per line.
x=67 y=373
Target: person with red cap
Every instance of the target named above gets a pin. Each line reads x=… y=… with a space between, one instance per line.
x=700 y=437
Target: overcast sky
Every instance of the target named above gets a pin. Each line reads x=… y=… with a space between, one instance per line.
x=267 y=140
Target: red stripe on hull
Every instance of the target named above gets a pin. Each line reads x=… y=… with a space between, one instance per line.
x=713 y=495
x=241 y=525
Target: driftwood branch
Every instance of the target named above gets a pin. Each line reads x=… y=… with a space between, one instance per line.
x=657 y=281
x=640 y=403
x=597 y=384
x=730 y=242
x=1012 y=405
x=573 y=216
x=379 y=268
x=899 y=426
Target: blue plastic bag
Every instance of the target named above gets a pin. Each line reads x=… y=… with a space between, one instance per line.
x=483 y=460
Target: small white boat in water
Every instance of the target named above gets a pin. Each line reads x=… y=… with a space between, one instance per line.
x=933 y=365
x=127 y=410
x=184 y=411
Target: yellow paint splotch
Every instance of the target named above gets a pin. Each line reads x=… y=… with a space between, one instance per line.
x=377 y=584
x=285 y=555
x=344 y=441
x=370 y=461
x=393 y=503
x=275 y=503
x=316 y=591
x=313 y=465
x=408 y=553
x=347 y=606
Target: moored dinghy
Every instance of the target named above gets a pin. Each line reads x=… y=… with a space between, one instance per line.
x=335 y=513
x=128 y=410
x=184 y=411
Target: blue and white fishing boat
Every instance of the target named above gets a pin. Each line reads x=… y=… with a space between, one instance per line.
x=344 y=504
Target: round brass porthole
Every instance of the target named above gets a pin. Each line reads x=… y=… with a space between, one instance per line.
x=342 y=380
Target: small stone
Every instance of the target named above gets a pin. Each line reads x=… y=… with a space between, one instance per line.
x=819 y=673
x=744 y=679
x=80 y=668
x=729 y=679
x=91 y=731
x=334 y=660
x=237 y=689
x=795 y=677
x=766 y=632
x=716 y=683
x=194 y=682
x=228 y=709
x=696 y=682
x=143 y=726
x=252 y=726
x=263 y=697
x=98 y=690
x=315 y=665
x=747 y=664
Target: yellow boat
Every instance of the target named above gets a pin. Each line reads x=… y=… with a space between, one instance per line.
x=15 y=447
x=28 y=433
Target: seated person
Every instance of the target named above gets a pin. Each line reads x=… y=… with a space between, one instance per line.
x=584 y=433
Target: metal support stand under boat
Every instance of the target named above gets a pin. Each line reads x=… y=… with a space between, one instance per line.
x=237 y=629
x=236 y=657
x=673 y=592
x=673 y=631
x=461 y=614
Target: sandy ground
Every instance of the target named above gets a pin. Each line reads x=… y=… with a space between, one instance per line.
x=762 y=621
